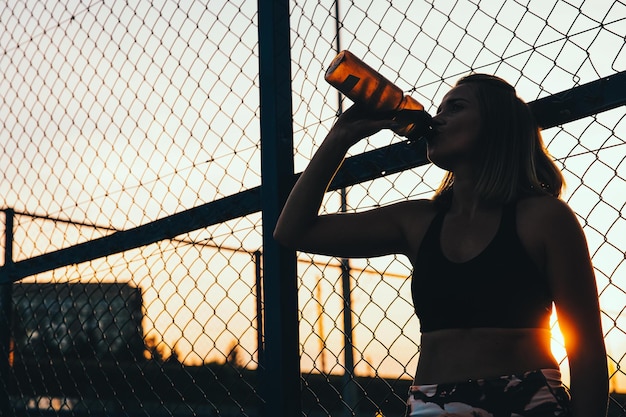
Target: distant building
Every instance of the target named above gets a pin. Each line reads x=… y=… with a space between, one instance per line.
x=75 y=320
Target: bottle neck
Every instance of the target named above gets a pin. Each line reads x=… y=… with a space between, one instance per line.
x=414 y=124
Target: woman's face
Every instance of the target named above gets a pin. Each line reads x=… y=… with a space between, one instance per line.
x=455 y=129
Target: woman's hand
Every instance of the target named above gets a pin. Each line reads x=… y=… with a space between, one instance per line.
x=357 y=123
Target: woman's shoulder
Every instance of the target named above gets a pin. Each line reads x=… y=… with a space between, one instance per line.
x=545 y=213
x=543 y=206
x=413 y=213
x=415 y=217
x=420 y=208
x=546 y=222
x=409 y=215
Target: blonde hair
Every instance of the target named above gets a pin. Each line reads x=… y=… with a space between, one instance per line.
x=513 y=161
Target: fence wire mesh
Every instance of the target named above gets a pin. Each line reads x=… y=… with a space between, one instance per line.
x=117 y=114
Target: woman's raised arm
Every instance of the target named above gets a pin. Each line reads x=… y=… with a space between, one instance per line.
x=371 y=233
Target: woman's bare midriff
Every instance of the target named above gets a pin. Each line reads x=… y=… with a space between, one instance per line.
x=456 y=355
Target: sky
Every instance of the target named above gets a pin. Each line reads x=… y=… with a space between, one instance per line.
x=117 y=114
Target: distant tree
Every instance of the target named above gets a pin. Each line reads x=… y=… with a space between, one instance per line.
x=234 y=358
x=155 y=350
x=174 y=355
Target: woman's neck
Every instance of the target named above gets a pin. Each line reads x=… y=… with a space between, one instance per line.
x=465 y=200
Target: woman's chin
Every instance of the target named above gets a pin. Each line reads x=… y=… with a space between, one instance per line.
x=440 y=161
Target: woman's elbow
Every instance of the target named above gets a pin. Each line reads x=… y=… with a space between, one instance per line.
x=293 y=235
x=283 y=236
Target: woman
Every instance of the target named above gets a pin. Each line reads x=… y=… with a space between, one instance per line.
x=492 y=251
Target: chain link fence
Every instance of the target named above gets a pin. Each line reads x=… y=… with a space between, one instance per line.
x=122 y=120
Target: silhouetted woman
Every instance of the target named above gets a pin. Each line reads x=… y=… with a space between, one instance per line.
x=492 y=252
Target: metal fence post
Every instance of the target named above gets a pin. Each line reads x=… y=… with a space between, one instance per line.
x=280 y=378
x=6 y=312
x=258 y=279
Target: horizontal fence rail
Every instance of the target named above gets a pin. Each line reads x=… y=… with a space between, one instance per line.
x=582 y=101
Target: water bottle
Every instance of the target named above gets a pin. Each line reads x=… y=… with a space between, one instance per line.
x=364 y=85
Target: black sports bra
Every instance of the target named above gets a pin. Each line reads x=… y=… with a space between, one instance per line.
x=501 y=287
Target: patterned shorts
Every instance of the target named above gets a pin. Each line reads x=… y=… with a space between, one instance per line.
x=533 y=394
